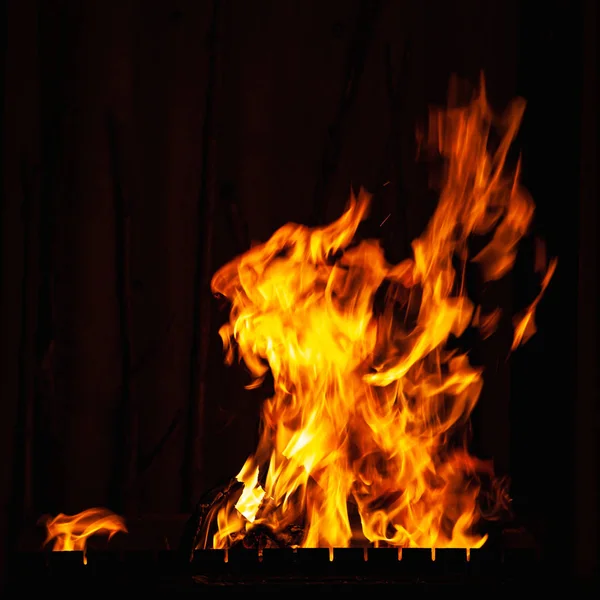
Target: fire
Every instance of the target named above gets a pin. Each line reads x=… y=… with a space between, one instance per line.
x=367 y=420
x=70 y=532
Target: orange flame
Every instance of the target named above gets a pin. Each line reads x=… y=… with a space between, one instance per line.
x=70 y=532
x=368 y=400
x=524 y=323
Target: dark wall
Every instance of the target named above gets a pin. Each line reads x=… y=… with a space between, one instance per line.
x=146 y=143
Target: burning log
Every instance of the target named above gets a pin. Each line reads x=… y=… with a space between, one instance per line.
x=201 y=526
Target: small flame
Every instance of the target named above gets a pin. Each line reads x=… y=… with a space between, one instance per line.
x=487 y=323
x=71 y=532
x=524 y=323
x=370 y=405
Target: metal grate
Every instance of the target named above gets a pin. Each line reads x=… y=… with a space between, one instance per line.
x=275 y=569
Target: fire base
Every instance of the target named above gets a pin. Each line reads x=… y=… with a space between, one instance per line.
x=201 y=527
x=215 y=571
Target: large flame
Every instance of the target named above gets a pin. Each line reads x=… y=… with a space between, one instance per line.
x=369 y=401
x=71 y=532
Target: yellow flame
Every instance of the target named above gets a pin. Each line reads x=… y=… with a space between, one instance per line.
x=71 y=532
x=368 y=397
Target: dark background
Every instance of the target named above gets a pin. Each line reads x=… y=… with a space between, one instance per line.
x=145 y=143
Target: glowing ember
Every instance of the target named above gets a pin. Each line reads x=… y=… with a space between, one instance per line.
x=71 y=532
x=369 y=400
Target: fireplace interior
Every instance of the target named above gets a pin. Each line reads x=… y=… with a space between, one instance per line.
x=149 y=146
